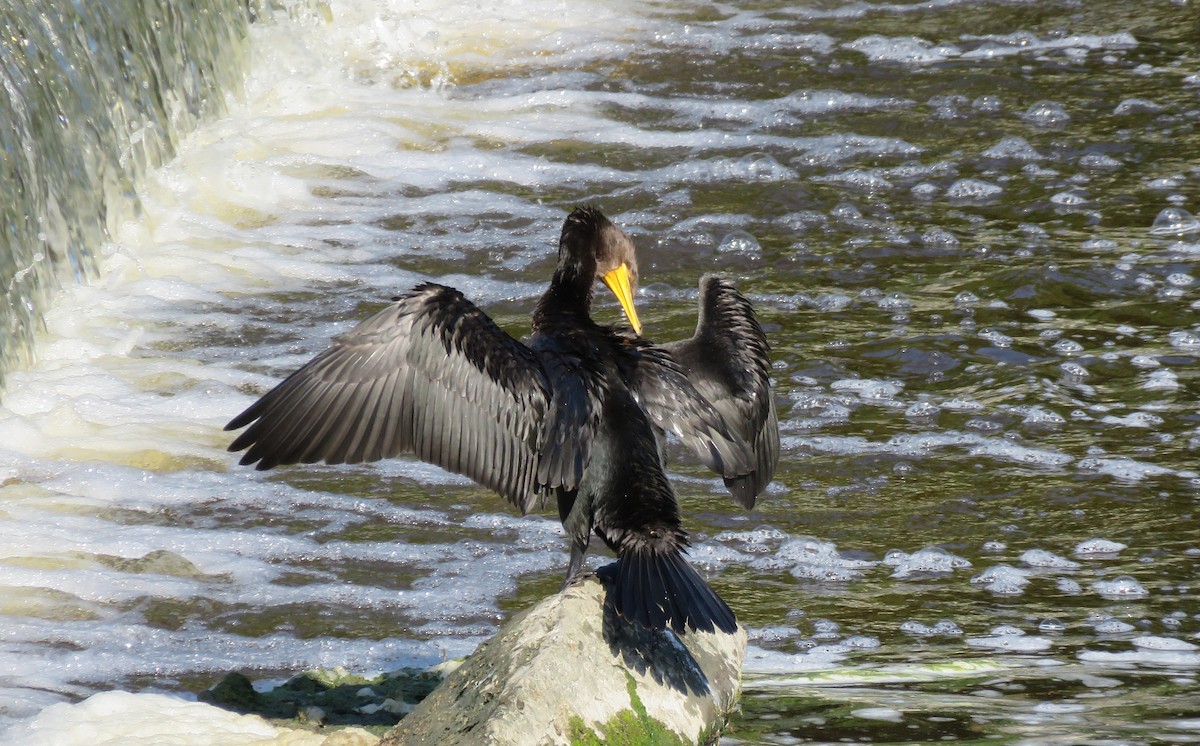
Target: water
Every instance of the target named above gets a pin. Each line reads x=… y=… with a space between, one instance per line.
x=968 y=228
x=90 y=98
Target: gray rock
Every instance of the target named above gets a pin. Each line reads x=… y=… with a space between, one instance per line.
x=569 y=670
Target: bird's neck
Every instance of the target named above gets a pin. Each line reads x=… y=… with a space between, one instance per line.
x=570 y=292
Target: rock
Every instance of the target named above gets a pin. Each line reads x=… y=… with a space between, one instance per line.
x=329 y=697
x=569 y=671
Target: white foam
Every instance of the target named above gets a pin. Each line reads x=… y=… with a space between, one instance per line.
x=885 y=714
x=1046 y=113
x=1143 y=657
x=123 y=719
x=1041 y=558
x=973 y=189
x=809 y=558
x=1003 y=580
x=1125 y=469
x=869 y=389
x=1099 y=548
x=1122 y=586
x=931 y=560
x=759 y=661
x=944 y=628
x=1010 y=640
x=1013 y=148
x=906 y=49
x=1152 y=642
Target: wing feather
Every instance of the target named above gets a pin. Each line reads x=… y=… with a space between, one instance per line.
x=430 y=374
x=728 y=363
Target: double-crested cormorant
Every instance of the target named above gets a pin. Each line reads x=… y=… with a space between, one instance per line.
x=575 y=413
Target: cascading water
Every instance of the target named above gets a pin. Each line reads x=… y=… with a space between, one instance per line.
x=91 y=96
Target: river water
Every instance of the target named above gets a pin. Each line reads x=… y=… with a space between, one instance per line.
x=967 y=227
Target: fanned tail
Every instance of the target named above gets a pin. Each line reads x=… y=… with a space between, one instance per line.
x=658 y=589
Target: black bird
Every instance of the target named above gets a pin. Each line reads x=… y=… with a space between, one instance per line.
x=574 y=413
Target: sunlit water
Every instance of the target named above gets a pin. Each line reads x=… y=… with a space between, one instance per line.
x=967 y=226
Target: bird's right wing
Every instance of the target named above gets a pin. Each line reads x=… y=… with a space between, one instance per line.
x=430 y=374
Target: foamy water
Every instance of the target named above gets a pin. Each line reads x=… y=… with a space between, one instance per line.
x=980 y=302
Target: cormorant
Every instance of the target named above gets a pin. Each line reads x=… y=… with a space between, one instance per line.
x=575 y=413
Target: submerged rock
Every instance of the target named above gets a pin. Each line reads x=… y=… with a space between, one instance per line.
x=569 y=671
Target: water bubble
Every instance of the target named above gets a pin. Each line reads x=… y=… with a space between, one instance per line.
x=739 y=242
x=832 y=301
x=940 y=238
x=762 y=167
x=962 y=404
x=825 y=629
x=966 y=298
x=895 y=302
x=1149 y=642
x=1050 y=624
x=990 y=104
x=1137 y=106
x=1069 y=198
x=1161 y=380
x=1110 y=626
x=1068 y=586
x=972 y=189
x=1122 y=586
x=932 y=560
x=996 y=338
x=809 y=558
x=924 y=190
x=922 y=411
x=1174 y=221
x=1042 y=558
x=1098 y=548
x=1165 y=182
x=1067 y=347
x=1046 y=113
x=1003 y=580
x=1184 y=340
x=1099 y=161
x=1099 y=244
x=846 y=211
x=1013 y=148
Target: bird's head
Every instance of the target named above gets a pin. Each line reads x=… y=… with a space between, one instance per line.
x=587 y=230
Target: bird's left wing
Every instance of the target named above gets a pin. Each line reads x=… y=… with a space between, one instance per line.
x=672 y=402
x=430 y=374
x=728 y=361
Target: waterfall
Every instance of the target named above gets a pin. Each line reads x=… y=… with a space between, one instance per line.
x=91 y=96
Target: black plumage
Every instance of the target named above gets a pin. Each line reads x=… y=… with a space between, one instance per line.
x=575 y=413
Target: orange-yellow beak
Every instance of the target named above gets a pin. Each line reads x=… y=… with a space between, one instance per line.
x=618 y=282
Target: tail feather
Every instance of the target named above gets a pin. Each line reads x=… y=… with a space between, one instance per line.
x=660 y=589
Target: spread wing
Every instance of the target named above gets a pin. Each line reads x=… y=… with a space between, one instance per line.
x=670 y=399
x=728 y=363
x=430 y=374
